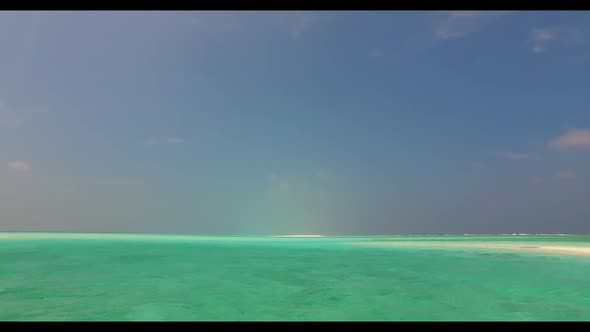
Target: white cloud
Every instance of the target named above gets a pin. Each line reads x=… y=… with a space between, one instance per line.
x=19 y=166
x=164 y=140
x=541 y=38
x=300 y=23
x=566 y=174
x=572 y=139
x=457 y=24
x=515 y=155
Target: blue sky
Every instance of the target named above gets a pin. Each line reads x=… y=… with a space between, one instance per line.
x=295 y=122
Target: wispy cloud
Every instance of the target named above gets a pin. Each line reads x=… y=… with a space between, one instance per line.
x=541 y=39
x=283 y=183
x=566 y=174
x=572 y=139
x=515 y=155
x=164 y=140
x=19 y=166
x=457 y=24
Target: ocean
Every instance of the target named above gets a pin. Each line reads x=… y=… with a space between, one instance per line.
x=110 y=277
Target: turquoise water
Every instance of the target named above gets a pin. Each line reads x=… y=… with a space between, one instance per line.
x=150 y=277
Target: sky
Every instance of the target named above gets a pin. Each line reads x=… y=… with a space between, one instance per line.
x=335 y=123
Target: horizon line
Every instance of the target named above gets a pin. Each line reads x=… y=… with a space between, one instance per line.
x=303 y=235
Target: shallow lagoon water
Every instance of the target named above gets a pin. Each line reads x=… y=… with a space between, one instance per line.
x=115 y=277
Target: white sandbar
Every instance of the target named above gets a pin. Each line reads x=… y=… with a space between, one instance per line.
x=579 y=250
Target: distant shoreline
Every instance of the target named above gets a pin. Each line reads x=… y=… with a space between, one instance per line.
x=503 y=242
x=529 y=247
